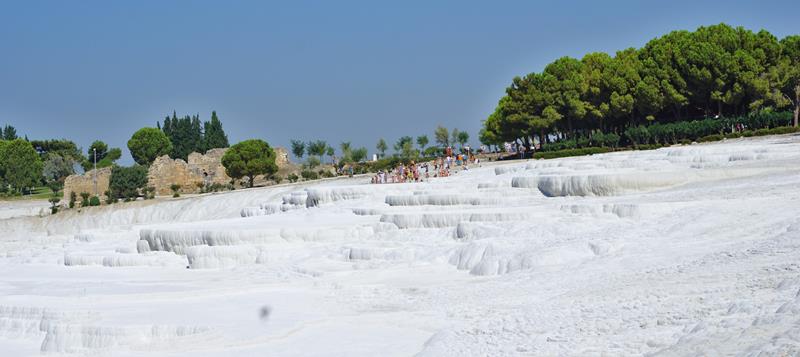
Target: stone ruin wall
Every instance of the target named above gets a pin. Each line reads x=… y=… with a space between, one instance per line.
x=164 y=172
x=281 y=157
x=85 y=183
x=210 y=166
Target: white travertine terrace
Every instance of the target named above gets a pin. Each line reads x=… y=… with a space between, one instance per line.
x=686 y=250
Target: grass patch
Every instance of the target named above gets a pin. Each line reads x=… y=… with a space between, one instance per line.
x=38 y=193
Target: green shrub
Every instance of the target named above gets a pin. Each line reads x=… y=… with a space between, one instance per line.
x=762 y=120
x=175 y=190
x=608 y=140
x=708 y=138
x=326 y=173
x=309 y=175
x=649 y=147
x=637 y=135
x=560 y=145
x=685 y=142
x=784 y=130
x=773 y=131
x=656 y=131
x=55 y=185
x=85 y=199
x=682 y=131
x=215 y=187
x=570 y=152
x=94 y=201
x=54 y=203
x=126 y=182
x=663 y=134
x=312 y=162
x=612 y=139
x=12 y=193
x=109 y=198
x=582 y=142
x=597 y=139
x=292 y=177
x=72 y=198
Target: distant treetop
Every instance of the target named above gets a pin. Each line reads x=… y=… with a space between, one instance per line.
x=189 y=135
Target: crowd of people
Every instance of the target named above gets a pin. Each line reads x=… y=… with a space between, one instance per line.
x=417 y=172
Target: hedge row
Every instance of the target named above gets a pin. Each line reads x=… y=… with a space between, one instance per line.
x=750 y=133
x=675 y=133
x=571 y=152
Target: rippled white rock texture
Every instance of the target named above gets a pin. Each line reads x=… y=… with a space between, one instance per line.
x=691 y=250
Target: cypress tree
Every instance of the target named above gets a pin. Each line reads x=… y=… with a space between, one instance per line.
x=182 y=141
x=196 y=136
x=167 y=128
x=188 y=134
x=214 y=134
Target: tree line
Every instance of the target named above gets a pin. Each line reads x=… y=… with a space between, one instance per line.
x=188 y=134
x=404 y=148
x=712 y=72
x=25 y=164
x=315 y=150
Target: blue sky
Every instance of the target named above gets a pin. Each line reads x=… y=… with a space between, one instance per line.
x=333 y=70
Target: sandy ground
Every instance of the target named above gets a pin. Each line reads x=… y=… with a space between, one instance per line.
x=691 y=250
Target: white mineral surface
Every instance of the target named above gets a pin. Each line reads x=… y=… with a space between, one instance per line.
x=691 y=250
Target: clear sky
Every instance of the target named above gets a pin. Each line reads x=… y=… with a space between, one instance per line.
x=333 y=70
